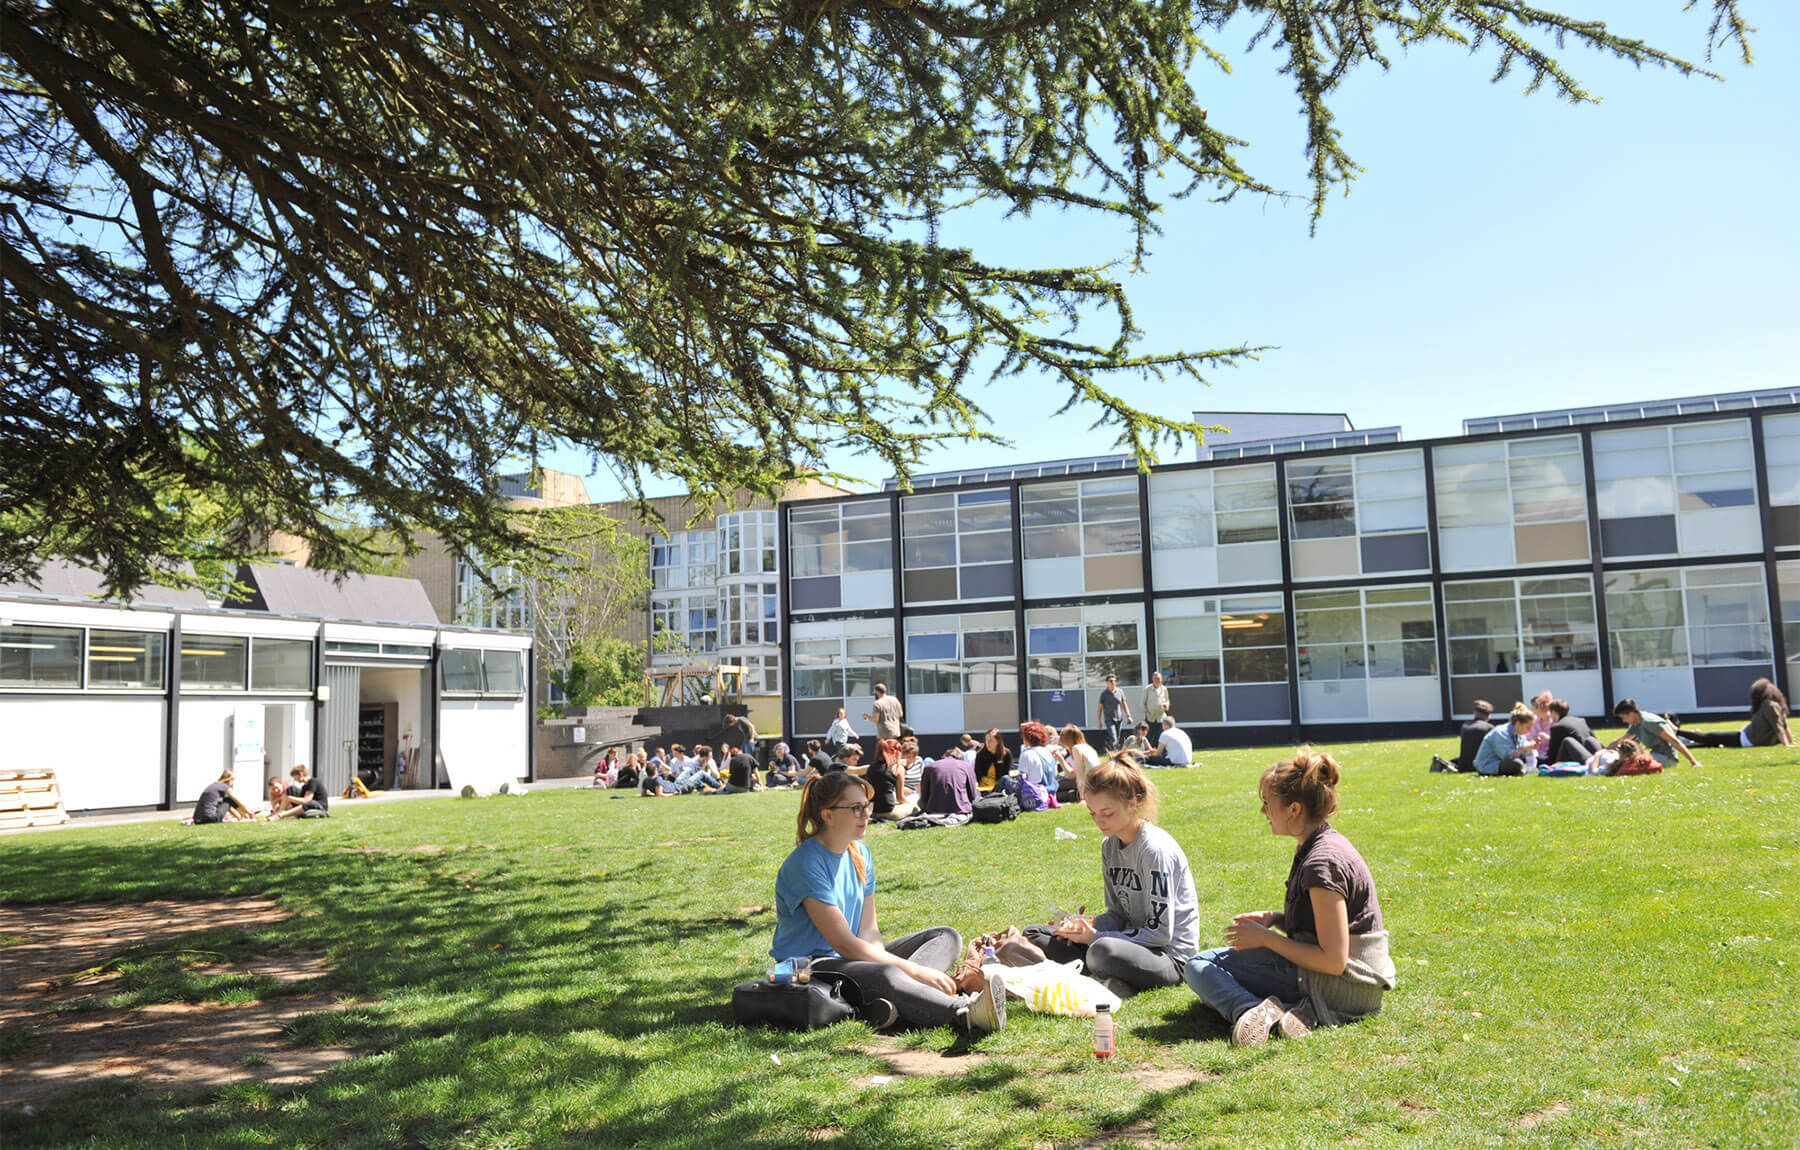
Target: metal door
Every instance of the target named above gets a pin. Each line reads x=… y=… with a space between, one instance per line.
x=338 y=755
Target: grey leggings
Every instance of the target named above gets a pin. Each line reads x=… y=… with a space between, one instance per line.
x=1138 y=967
x=936 y=947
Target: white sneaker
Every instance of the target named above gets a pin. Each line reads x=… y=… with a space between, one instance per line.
x=1298 y=1022
x=1252 y=1026
x=987 y=1010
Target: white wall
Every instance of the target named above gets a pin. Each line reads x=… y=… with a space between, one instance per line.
x=485 y=742
x=203 y=748
x=122 y=768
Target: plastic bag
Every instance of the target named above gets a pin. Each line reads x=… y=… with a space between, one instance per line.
x=1059 y=988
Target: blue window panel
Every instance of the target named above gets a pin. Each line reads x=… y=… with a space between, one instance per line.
x=1054 y=641
x=1057 y=708
x=1256 y=702
x=926 y=647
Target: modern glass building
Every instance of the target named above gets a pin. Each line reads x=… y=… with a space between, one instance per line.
x=1316 y=586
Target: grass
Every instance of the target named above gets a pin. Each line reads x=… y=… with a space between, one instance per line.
x=1582 y=961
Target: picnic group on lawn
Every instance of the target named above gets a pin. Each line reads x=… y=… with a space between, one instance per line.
x=1320 y=960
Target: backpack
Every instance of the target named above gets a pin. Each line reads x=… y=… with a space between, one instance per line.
x=998 y=807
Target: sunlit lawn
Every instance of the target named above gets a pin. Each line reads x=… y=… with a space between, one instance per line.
x=1581 y=961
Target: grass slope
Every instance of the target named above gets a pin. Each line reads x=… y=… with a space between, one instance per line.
x=1582 y=961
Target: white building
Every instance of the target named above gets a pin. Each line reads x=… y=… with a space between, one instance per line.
x=140 y=705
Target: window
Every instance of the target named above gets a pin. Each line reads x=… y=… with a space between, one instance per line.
x=40 y=657
x=477 y=672
x=667 y=568
x=281 y=664
x=1081 y=537
x=1781 y=448
x=1509 y=638
x=1223 y=660
x=1511 y=503
x=125 y=660
x=1689 y=489
x=746 y=543
x=1214 y=526
x=1366 y=654
x=501 y=606
x=214 y=662
x=957 y=546
x=702 y=558
x=837 y=664
x=683 y=625
x=1359 y=515
x=1070 y=651
x=748 y=614
x=841 y=556
x=1689 y=636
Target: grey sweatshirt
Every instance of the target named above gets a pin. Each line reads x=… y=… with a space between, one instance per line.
x=1150 y=896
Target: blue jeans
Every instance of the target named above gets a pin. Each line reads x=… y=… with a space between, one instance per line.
x=1114 y=727
x=1232 y=981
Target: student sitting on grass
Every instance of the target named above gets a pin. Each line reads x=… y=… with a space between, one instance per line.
x=1571 y=741
x=825 y=908
x=993 y=762
x=658 y=781
x=306 y=799
x=1331 y=960
x=1037 y=768
x=888 y=778
x=1509 y=750
x=217 y=803
x=1652 y=732
x=1768 y=725
x=1151 y=926
x=700 y=775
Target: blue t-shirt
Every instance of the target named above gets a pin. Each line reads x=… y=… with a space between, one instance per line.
x=812 y=871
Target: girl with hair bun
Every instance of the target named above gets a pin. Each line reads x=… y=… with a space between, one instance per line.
x=1152 y=922
x=1323 y=959
x=825 y=909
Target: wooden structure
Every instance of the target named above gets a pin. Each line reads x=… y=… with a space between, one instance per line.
x=689 y=686
x=30 y=799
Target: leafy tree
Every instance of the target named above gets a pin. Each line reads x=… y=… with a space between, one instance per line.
x=577 y=581
x=604 y=672
x=286 y=253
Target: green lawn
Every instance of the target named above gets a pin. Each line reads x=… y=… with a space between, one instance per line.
x=1581 y=961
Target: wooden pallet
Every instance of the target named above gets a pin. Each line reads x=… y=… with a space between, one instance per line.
x=30 y=799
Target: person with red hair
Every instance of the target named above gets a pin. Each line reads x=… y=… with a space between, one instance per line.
x=886 y=774
x=1037 y=768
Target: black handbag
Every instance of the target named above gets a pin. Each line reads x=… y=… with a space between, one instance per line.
x=998 y=807
x=830 y=997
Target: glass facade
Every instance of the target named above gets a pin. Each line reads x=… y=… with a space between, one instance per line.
x=1328 y=587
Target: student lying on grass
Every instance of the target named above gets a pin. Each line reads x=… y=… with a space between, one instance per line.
x=1152 y=920
x=828 y=882
x=1331 y=965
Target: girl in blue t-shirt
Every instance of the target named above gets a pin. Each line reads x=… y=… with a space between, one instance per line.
x=825 y=908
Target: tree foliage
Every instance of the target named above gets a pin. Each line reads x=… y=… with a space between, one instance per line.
x=603 y=672
x=577 y=581
x=287 y=253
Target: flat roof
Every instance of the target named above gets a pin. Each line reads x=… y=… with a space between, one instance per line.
x=1622 y=412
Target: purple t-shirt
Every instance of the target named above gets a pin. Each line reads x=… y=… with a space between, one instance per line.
x=1326 y=859
x=947 y=787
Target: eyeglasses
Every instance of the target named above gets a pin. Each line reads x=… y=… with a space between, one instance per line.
x=857 y=810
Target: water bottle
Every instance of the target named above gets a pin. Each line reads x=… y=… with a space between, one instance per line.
x=1103 y=1031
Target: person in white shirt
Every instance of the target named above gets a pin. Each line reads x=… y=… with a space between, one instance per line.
x=1174 y=748
x=841 y=731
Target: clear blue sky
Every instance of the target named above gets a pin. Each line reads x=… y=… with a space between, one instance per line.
x=1500 y=252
